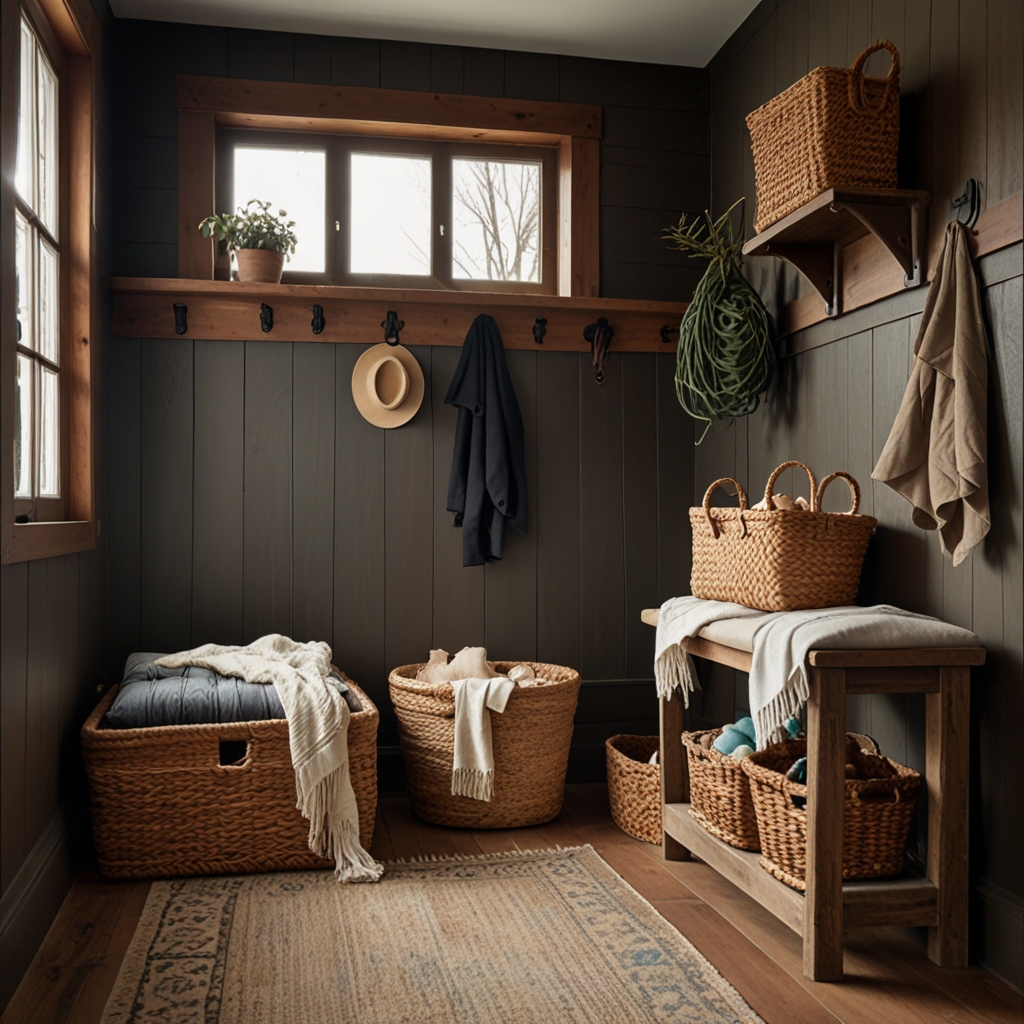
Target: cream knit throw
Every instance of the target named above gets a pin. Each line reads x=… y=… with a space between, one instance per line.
x=473 y=766
x=317 y=733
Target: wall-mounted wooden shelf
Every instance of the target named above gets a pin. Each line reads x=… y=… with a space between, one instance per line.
x=230 y=310
x=812 y=237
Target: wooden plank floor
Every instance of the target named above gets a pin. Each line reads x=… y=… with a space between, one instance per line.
x=888 y=976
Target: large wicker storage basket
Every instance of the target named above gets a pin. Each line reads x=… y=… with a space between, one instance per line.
x=833 y=128
x=779 y=560
x=530 y=741
x=634 y=786
x=720 y=792
x=876 y=820
x=163 y=805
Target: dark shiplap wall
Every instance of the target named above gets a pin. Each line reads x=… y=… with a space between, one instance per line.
x=833 y=406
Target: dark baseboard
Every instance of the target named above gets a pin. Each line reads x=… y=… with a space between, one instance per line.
x=997 y=931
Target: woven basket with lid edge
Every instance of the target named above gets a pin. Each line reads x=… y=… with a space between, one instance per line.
x=530 y=740
x=720 y=798
x=833 y=128
x=876 y=820
x=779 y=559
x=163 y=806
x=634 y=785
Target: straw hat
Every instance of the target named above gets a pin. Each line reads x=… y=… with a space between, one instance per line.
x=387 y=385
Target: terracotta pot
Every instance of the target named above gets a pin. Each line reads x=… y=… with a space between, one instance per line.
x=260 y=265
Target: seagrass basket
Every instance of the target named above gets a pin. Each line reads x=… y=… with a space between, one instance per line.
x=530 y=742
x=163 y=805
x=634 y=786
x=779 y=560
x=720 y=798
x=876 y=819
x=835 y=127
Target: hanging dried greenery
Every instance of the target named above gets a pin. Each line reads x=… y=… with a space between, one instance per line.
x=726 y=348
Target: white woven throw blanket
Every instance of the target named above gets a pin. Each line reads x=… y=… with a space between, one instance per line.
x=473 y=767
x=778 y=672
x=317 y=733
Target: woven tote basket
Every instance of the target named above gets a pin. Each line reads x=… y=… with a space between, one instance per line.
x=163 y=805
x=876 y=820
x=834 y=128
x=779 y=560
x=720 y=792
x=530 y=741
x=634 y=786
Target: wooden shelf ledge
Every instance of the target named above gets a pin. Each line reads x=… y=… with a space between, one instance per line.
x=230 y=311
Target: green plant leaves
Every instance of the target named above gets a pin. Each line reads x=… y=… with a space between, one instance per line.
x=252 y=228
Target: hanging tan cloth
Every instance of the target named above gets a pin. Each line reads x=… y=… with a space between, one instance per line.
x=935 y=455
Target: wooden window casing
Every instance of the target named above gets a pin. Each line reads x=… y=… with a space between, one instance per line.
x=69 y=26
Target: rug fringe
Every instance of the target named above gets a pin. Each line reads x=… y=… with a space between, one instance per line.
x=432 y=858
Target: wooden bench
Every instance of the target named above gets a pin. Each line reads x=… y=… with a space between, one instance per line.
x=939 y=899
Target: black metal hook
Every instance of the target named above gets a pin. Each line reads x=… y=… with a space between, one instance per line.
x=266 y=318
x=540 y=328
x=600 y=335
x=666 y=331
x=392 y=325
x=180 y=318
x=971 y=200
x=318 y=322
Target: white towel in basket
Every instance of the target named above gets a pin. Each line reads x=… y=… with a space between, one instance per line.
x=473 y=767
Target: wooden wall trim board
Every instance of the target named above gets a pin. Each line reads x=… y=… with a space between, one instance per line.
x=196 y=192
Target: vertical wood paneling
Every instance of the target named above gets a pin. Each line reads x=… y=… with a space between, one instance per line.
x=675 y=485
x=1005 y=100
x=267 y=531
x=973 y=89
x=13 y=716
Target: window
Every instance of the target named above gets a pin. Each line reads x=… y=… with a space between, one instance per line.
x=401 y=213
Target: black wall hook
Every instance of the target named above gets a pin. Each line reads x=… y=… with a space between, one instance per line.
x=970 y=202
x=180 y=318
x=392 y=325
x=600 y=335
x=540 y=328
x=318 y=322
x=666 y=331
x=266 y=318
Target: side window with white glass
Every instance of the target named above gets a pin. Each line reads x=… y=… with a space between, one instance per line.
x=37 y=438
x=404 y=213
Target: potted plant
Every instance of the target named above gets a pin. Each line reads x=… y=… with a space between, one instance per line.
x=260 y=241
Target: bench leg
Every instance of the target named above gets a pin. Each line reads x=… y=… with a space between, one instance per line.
x=826 y=799
x=947 y=723
x=675 y=775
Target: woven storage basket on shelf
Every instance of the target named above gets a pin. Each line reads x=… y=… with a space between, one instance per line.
x=720 y=792
x=834 y=128
x=779 y=560
x=163 y=805
x=634 y=786
x=530 y=742
x=876 y=819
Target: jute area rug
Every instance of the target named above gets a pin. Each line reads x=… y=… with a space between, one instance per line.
x=525 y=938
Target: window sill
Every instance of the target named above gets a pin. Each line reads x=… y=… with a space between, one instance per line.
x=28 y=541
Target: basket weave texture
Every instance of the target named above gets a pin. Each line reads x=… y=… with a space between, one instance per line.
x=779 y=560
x=720 y=798
x=634 y=786
x=163 y=805
x=833 y=128
x=530 y=740
x=876 y=819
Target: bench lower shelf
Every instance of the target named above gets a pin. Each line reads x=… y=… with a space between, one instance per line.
x=885 y=901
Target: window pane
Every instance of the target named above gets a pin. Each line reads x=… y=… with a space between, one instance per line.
x=292 y=180
x=24 y=236
x=390 y=219
x=49 y=328
x=496 y=220
x=26 y=116
x=49 y=434
x=23 y=429
x=46 y=107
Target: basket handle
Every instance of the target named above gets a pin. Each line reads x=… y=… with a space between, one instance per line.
x=853 y=485
x=770 y=504
x=858 y=97
x=740 y=493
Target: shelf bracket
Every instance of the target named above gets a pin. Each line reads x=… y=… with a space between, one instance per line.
x=898 y=228
x=818 y=262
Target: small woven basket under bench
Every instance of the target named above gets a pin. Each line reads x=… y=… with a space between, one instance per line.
x=163 y=805
x=530 y=741
x=634 y=786
x=720 y=798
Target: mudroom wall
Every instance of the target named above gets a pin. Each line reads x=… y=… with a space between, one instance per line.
x=835 y=398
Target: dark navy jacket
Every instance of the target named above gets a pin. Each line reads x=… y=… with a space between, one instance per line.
x=487 y=487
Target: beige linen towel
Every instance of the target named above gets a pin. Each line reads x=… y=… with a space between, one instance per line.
x=935 y=455
x=473 y=767
x=317 y=733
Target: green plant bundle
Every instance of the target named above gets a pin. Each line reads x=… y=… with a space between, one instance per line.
x=252 y=228
x=726 y=355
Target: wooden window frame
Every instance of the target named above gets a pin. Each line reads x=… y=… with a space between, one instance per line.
x=74 y=27
x=205 y=103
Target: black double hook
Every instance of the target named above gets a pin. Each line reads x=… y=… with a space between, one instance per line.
x=540 y=328
x=970 y=202
x=599 y=334
x=180 y=318
x=266 y=318
x=392 y=325
x=318 y=322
